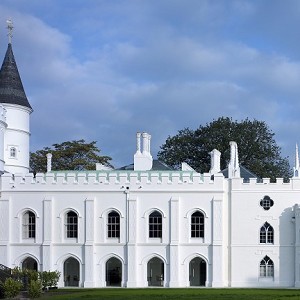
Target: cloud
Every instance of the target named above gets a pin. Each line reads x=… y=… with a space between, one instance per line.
x=110 y=69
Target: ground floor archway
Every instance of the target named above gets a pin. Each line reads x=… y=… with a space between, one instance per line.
x=30 y=263
x=113 y=272
x=197 y=272
x=71 y=272
x=155 y=272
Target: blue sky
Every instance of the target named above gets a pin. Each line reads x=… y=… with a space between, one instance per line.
x=103 y=70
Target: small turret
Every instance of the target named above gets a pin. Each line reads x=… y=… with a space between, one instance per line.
x=13 y=99
x=215 y=165
x=233 y=166
x=143 y=160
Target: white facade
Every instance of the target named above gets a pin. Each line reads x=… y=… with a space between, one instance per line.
x=145 y=227
x=230 y=252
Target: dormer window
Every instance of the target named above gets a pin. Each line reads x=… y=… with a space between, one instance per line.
x=13 y=152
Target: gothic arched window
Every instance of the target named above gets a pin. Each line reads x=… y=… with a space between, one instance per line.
x=266 y=234
x=266 y=267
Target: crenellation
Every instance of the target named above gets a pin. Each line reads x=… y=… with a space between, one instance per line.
x=279 y=181
x=207 y=178
x=176 y=178
x=92 y=178
x=50 y=178
x=123 y=178
x=165 y=178
x=102 y=178
x=19 y=178
x=113 y=178
x=144 y=178
x=197 y=178
x=134 y=178
x=40 y=178
x=60 y=178
x=71 y=178
x=29 y=179
x=82 y=178
x=155 y=178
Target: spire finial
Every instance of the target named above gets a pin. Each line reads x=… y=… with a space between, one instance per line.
x=9 y=27
x=297 y=157
x=296 y=168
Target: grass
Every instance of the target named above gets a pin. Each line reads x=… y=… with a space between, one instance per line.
x=176 y=294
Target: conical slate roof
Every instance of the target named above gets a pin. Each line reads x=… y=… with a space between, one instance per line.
x=11 y=87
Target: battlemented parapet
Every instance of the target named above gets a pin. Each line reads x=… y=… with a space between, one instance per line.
x=113 y=180
x=265 y=184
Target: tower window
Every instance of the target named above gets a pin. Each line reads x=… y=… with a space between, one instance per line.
x=13 y=152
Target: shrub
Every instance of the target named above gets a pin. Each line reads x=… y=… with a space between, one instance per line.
x=49 y=279
x=34 y=289
x=54 y=277
x=11 y=288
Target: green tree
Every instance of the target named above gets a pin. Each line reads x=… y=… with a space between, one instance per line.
x=72 y=155
x=257 y=148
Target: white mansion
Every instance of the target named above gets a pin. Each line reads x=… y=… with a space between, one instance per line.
x=144 y=224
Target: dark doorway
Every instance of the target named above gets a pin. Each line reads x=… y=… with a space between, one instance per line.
x=197 y=272
x=113 y=272
x=71 y=272
x=155 y=272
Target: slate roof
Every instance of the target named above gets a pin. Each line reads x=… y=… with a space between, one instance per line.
x=11 y=87
x=245 y=174
x=157 y=166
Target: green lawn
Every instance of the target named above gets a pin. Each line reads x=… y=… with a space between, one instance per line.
x=166 y=294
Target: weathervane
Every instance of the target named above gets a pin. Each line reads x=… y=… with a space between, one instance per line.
x=9 y=27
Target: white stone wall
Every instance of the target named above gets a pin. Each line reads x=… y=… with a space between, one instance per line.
x=17 y=135
x=230 y=248
x=176 y=195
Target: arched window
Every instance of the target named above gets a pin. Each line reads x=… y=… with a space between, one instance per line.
x=266 y=267
x=197 y=225
x=71 y=225
x=13 y=152
x=155 y=225
x=113 y=225
x=28 y=225
x=266 y=234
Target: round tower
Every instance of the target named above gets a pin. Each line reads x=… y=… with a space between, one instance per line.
x=15 y=147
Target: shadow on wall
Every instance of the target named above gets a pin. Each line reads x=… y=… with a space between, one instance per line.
x=286 y=256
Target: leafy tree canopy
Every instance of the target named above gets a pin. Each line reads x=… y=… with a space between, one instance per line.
x=72 y=155
x=257 y=148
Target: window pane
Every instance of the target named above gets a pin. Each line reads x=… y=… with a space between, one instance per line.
x=197 y=224
x=155 y=225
